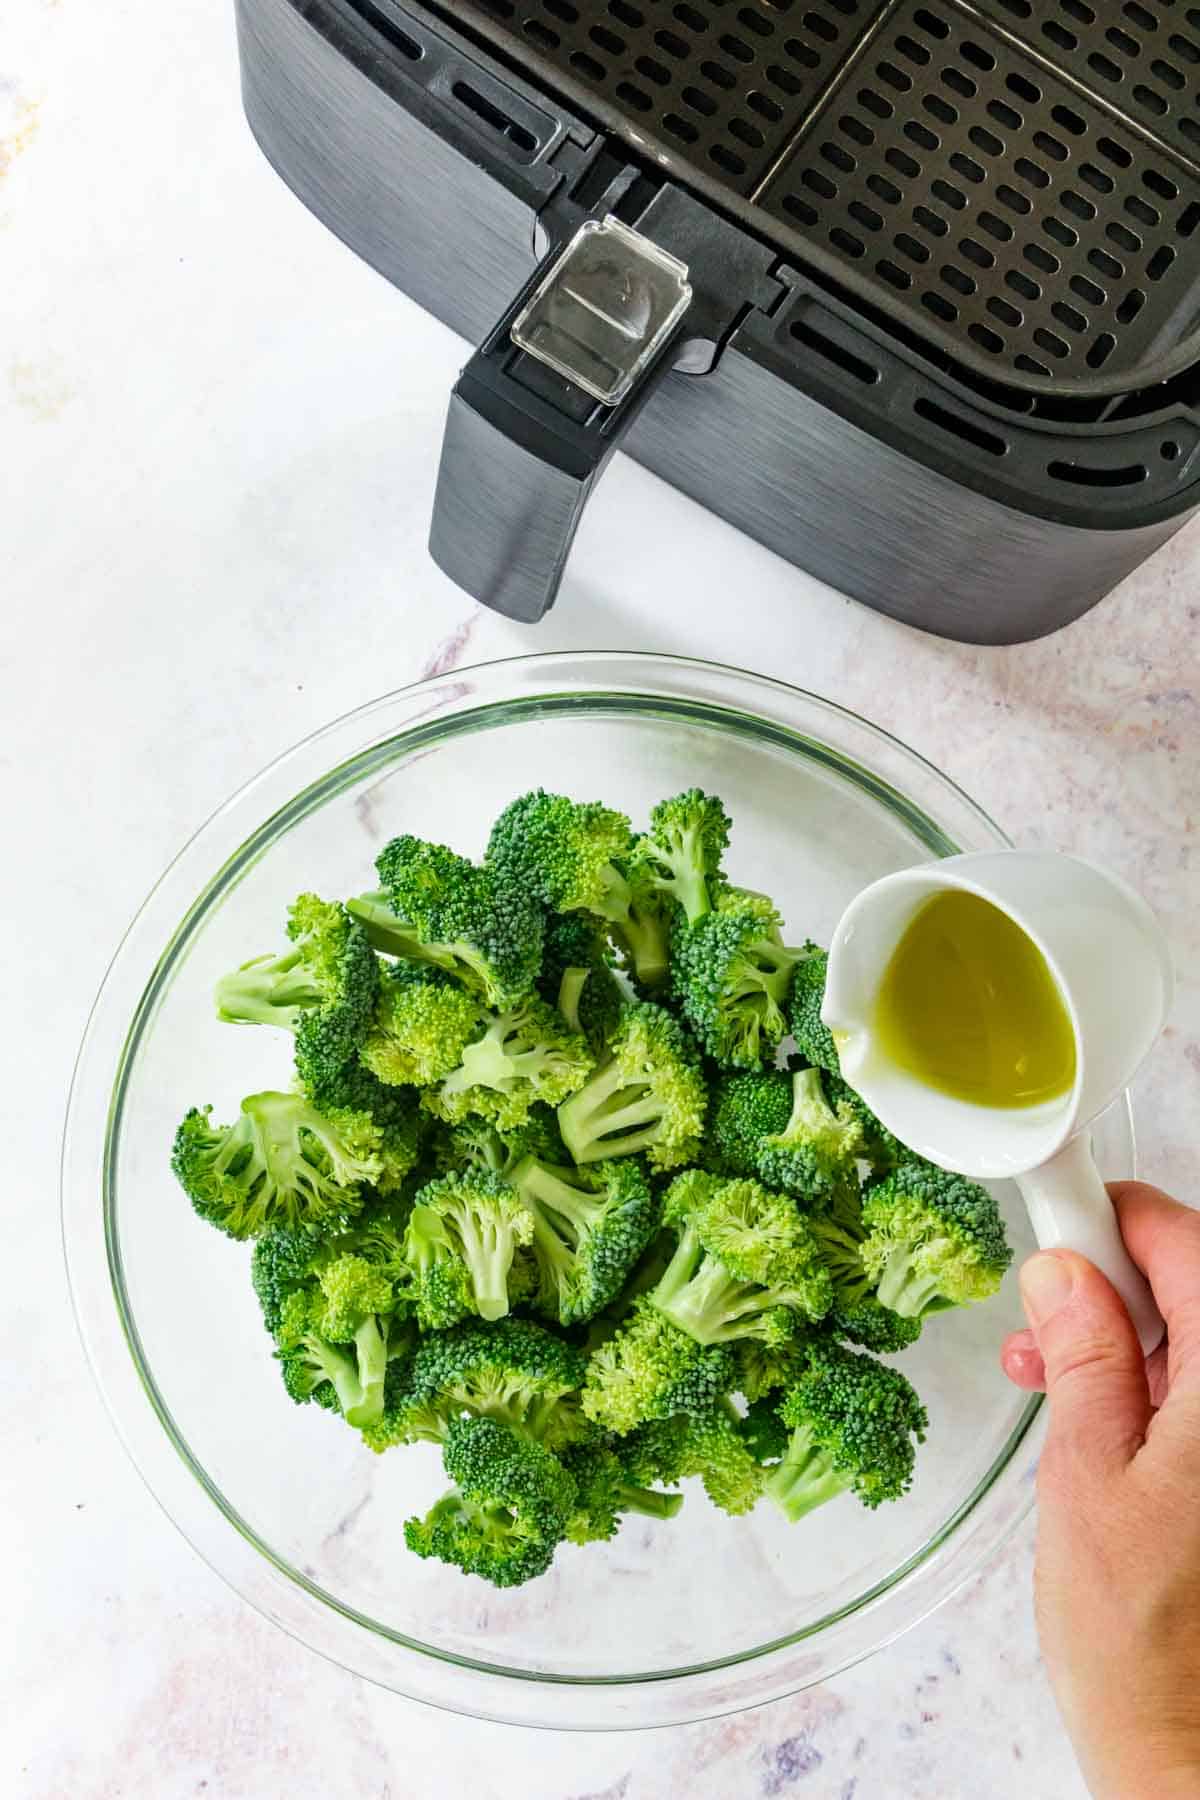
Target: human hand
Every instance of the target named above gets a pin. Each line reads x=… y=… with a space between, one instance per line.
x=1118 y=1552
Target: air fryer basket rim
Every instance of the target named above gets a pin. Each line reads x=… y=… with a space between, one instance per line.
x=1161 y=359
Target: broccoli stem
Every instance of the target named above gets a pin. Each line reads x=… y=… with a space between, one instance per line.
x=570 y=993
x=613 y=896
x=370 y=1344
x=487 y=1247
x=649 y=1502
x=569 y=1203
x=643 y=937
x=609 y=1117
x=338 y=1367
x=703 y=1299
x=805 y=1479
x=393 y=936
x=905 y=1291
x=270 y=990
x=840 y=1249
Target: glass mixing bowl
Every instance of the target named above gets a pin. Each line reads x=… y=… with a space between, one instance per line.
x=668 y=1622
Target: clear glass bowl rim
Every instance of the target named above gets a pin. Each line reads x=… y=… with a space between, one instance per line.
x=294 y=782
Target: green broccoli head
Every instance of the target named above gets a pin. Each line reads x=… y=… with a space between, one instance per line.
x=876 y=1328
x=854 y=1426
x=933 y=1240
x=507 y=1512
x=331 y=969
x=647 y=1096
x=580 y=856
x=280 y=1163
x=604 y=1493
x=477 y=1143
x=707 y=1442
x=746 y=1263
x=815 y=1156
x=764 y=1369
x=524 y=1057
x=423 y=1021
x=459 y=1246
x=281 y=1265
x=682 y=851
x=731 y=975
x=512 y=1370
x=813 y=1037
x=564 y=851
x=338 y=1087
x=333 y=1346
x=590 y=1226
x=764 y=1433
x=745 y=1109
x=577 y=977
x=649 y=1369
x=475 y=924
x=880 y=1147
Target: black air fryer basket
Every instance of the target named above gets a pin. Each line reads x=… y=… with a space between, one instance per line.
x=908 y=292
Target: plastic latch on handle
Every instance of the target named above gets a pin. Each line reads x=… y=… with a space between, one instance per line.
x=605 y=309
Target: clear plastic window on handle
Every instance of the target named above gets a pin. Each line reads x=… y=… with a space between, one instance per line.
x=605 y=309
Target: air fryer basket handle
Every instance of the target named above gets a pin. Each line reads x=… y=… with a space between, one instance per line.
x=522 y=450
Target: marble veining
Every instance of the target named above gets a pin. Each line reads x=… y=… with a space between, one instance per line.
x=219 y=434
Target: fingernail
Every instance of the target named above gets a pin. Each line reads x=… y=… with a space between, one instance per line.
x=1045 y=1286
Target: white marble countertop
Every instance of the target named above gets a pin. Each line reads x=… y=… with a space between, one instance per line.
x=218 y=437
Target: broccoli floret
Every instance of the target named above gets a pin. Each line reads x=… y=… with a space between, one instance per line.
x=335 y=1330
x=880 y=1147
x=281 y=1163
x=459 y=1247
x=571 y=854
x=764 y=1369
x=423 y=1022
x=649 y=1369
x=524 y=1056
x=840 y=1240
x=280 y=1266
x=604 y=1493
x=507 y=1512
x=815 y=1156
x=565 y=851
x=813 y=1037
x=746 y=1263
x=647 y=1096
x=643 y=936
x=476 y=1143
x=763 y=1431
x=682 y=851
x=437 y=907
x=708 y=1442
x=332 y=969
x=589 y=1228
x=745 y=1109
x=854 y=1426
x=933 y=1240
x=339 y=1087
x=578 y=979
x=874 y=1327
x=731 y=974
x=513 y=1370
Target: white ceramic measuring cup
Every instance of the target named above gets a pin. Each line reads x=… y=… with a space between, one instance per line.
x=1107 y=953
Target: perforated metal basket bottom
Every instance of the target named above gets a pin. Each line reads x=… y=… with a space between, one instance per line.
x=1018 y=182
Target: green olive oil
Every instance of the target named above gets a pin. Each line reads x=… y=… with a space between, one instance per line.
x=969 y=1006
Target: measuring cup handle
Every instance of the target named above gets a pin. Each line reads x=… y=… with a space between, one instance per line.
x=1070 y=1210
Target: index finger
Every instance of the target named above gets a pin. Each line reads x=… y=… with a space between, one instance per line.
x=1163 y=1238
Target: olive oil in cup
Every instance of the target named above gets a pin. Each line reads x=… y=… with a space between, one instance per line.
x=968 y=1005
x=988 y=1008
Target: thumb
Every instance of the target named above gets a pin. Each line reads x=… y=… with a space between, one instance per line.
x=1095 y=1372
